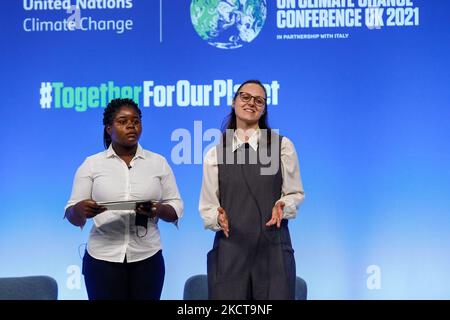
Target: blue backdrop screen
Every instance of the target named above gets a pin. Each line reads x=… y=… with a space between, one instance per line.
x=360 y=87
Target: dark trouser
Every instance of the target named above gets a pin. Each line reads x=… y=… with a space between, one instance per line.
x=142 y=280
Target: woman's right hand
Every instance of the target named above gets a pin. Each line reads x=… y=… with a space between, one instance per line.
x=222 y=219
x=88 y=209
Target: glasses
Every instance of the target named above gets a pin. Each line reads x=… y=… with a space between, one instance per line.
x=246 y=97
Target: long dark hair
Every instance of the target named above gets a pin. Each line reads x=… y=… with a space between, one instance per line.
x=110 y=112
x=230 y=120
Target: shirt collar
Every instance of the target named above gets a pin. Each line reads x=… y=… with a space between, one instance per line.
x=252 y=141
x=139 y=152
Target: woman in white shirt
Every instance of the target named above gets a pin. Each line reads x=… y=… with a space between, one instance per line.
x=251 y=187
x=123 y=258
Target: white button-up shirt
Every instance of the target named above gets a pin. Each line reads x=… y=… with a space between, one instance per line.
x=106 y=177
x=292 y=193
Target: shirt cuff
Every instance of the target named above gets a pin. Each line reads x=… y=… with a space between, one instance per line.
x=289 y=210
x=212 y=223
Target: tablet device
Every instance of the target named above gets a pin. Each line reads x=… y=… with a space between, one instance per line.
x=119 y=205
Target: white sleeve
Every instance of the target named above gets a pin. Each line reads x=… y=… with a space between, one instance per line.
x=292 y=193
x=170 y=194
x=209 y=195
x=82 y=184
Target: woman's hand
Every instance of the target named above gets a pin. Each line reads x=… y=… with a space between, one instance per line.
x=156 y=209
x=88 y=209
x=148 y=208
x=85 y=209
x=277 y=214
x=222 y=219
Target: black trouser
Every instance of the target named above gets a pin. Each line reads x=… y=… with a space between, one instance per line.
x=141 y=280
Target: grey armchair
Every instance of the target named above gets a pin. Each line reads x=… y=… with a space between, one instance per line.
x=196 y=288
x=28 y=288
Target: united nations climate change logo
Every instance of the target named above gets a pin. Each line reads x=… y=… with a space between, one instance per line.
x=228 y=24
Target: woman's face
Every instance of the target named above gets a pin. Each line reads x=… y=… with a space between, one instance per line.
x=250 y=103
x=126 y=127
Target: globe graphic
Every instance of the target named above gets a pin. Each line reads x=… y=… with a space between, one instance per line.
x=228 y=24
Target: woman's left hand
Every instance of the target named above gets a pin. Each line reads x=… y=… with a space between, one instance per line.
x=148 y=208
x=277 y=214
